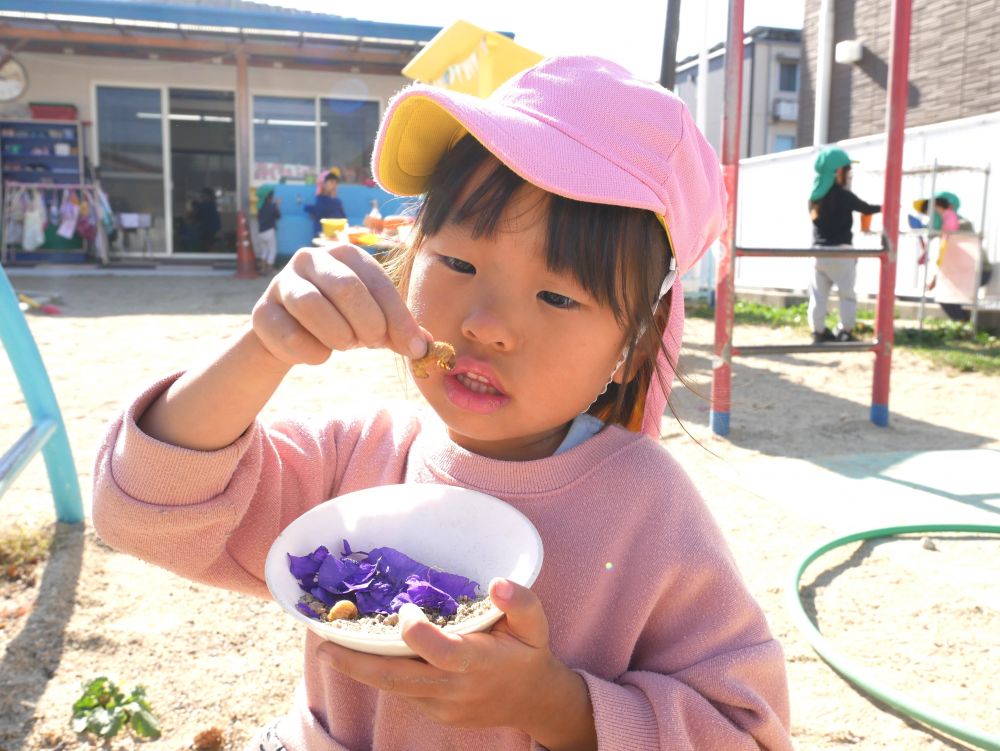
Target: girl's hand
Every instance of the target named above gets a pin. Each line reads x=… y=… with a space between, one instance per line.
x=504 y=678
x=334 y=298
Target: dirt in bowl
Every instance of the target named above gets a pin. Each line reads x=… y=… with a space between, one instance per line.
x=381 y=623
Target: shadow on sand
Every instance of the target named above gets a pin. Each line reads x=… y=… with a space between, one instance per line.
x=32 y=658
x=853 y=447
x=842 y=423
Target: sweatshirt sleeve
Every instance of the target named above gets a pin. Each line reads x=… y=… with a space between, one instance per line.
x=857 y=204
x=211 y=515
x=705 y=672
x=710 y=704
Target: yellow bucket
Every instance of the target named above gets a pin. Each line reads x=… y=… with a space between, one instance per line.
x=333 y=226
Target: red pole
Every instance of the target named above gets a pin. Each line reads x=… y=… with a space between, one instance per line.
x=895 y=124
x=724 y=288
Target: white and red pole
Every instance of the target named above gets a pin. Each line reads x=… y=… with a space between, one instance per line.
x=895 y=124
x=722 y=373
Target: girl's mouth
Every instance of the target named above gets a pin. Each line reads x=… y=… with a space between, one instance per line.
x=477 y=383
x=474 y=391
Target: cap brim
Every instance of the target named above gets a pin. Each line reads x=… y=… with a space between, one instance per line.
x=423 y=123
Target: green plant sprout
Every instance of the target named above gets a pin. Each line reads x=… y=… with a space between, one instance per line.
x=103 y=709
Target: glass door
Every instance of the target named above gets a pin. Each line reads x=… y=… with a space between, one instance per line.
x=130 y=154
x=203 y=170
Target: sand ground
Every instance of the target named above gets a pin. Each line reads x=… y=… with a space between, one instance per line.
x=213 y=658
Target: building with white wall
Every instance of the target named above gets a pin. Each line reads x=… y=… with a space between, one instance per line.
x=770 y=90
x=179 y=96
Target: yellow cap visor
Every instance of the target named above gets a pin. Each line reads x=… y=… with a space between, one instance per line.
x=419 y=134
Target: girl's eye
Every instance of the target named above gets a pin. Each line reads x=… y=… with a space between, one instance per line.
x=556 y=300
x=457 y=264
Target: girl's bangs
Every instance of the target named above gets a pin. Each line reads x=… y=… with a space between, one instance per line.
x=619 y=255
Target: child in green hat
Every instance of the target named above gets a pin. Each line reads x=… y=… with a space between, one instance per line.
x=831 y=206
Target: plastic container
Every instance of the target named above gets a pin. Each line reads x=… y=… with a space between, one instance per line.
x=373 y=220
x=332 y=227
x=445 y=527
x=52 y=111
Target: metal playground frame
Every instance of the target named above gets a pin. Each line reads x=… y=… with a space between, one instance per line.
x=881 y=346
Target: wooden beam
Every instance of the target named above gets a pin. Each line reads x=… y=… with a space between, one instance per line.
x=243 y=120
x=152 y=42
x=180 y=56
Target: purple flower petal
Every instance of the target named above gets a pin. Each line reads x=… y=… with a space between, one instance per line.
x=327 y=598
x=340 y=574
x=421 y=593
x=375 y=599
x=302 y=566
x=306 y=610
x=455 y=585
x=380 y=580
x=395 y=567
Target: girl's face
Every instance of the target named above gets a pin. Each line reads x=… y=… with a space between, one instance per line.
x=533 y=348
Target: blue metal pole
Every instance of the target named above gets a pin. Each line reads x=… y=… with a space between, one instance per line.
x=42 y=405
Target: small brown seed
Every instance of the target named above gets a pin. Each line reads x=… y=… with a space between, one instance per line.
x=345 y=610
x=440 y=353
x=392 y=619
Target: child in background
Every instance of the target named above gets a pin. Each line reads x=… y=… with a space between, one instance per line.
x=831 y=207
x=327 y=205
x=546 y=250
x=947 y=220
x=268 y=214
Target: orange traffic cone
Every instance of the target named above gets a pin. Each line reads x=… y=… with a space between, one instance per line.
x=246 y=262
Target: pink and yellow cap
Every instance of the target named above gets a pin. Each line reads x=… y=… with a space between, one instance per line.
x=583 y=128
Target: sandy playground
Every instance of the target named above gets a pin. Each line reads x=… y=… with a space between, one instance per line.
x=802 y=464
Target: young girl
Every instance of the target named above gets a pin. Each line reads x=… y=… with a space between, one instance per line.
x=557 y=215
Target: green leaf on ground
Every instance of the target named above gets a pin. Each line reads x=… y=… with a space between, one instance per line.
x=103 y=710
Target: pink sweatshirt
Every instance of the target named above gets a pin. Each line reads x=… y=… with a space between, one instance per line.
x=675 y=652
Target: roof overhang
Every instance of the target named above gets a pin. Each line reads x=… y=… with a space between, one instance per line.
x=269 y=37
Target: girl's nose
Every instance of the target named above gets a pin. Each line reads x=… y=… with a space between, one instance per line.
x=491 y=327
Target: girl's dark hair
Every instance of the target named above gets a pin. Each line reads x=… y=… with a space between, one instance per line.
x=620 y=255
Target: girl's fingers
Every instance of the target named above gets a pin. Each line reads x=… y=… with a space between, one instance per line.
x=402 y=332
x=334 y=302
x=525 y=617
x=399 y=675
x=286 y=338
x=448 y=652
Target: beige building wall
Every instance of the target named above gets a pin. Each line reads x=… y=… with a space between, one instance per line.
x=72 y=79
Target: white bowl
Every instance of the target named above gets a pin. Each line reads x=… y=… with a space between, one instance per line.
x=448 y=528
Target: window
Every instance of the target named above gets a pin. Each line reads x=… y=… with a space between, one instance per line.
x=788 y=76
x=347 y=136
x=284 y=138
x=130 y=152
x=784 y=142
